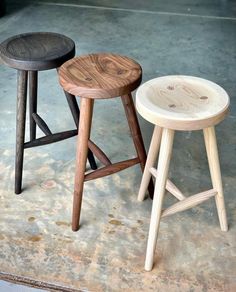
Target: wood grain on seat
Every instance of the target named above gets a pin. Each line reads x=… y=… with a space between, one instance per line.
x=37 y=51
x=182 y=102
x=101 y=75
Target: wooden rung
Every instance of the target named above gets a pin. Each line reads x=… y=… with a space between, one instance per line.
x=101 y=156
x=189 y=202
x=110 y=169
x=41 y=123
x=172 y=188
x=51 y=138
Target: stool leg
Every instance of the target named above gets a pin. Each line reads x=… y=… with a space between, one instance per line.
x=136 y=134
x=20 y=127
x=33 y=89
x=151 y=159
x=76 y=114
x=162 y=170
x=81 y=157
x=214 y=165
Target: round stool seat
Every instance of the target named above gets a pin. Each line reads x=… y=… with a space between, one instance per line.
x=37 y=51
x=100 y=75
x=182 y=102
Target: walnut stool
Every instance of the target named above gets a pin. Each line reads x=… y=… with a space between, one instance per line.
x=99 y=76
x=181 y=103
x=30 y=53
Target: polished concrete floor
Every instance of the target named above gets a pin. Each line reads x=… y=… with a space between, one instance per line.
x=37 y=246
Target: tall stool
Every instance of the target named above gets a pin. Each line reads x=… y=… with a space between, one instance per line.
x=99 y=76
x=180 y=103
x=30 y=53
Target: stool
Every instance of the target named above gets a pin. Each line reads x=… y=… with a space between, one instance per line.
x=180 y=103
x=30 y=53
x=100 y=76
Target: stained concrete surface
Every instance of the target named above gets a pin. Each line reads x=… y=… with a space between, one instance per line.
x=10 y=287
x=108 y=252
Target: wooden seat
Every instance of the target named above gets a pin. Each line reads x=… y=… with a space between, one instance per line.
x=30 y=53
x=180 y=103
x=98 y=76
x=37 y=51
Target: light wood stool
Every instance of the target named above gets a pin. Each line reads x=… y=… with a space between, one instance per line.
x=180 y=103
x=100 y=76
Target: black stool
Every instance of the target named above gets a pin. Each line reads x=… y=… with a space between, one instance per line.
x=30 y=53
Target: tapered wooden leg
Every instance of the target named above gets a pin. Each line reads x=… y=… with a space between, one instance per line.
x=136 y=134
x=214 y=165
x=86 y=111
x=76 y=114
x=151 y=159
x=20 y=127
x=33 y=90
x=162 y=170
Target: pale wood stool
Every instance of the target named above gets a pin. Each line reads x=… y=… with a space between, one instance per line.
x=100 y=76
x=180 y=103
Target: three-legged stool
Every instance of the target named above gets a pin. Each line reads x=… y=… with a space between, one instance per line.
x=99 y=76
x=30 y=53
x=180 y=103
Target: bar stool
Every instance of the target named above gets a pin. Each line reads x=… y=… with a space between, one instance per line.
x=180 y=103
x=100 y=76
x=30 y=53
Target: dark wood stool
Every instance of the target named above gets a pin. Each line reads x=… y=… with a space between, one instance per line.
x=99 y=76
x=30 y=53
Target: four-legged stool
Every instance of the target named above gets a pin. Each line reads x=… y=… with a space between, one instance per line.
x=181 y=103
x=99 y=76
x=30 y=53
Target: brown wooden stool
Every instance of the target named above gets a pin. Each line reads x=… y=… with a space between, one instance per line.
x=99 y=76
x=30 y=53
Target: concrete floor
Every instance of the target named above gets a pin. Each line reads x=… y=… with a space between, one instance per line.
x=11 y=287
x=36 y=244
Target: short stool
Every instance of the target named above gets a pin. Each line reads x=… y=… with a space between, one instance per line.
x=101 y=76
x=181 y=103
x=30 y=53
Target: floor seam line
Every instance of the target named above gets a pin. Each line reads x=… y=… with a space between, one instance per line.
x=135 y=10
